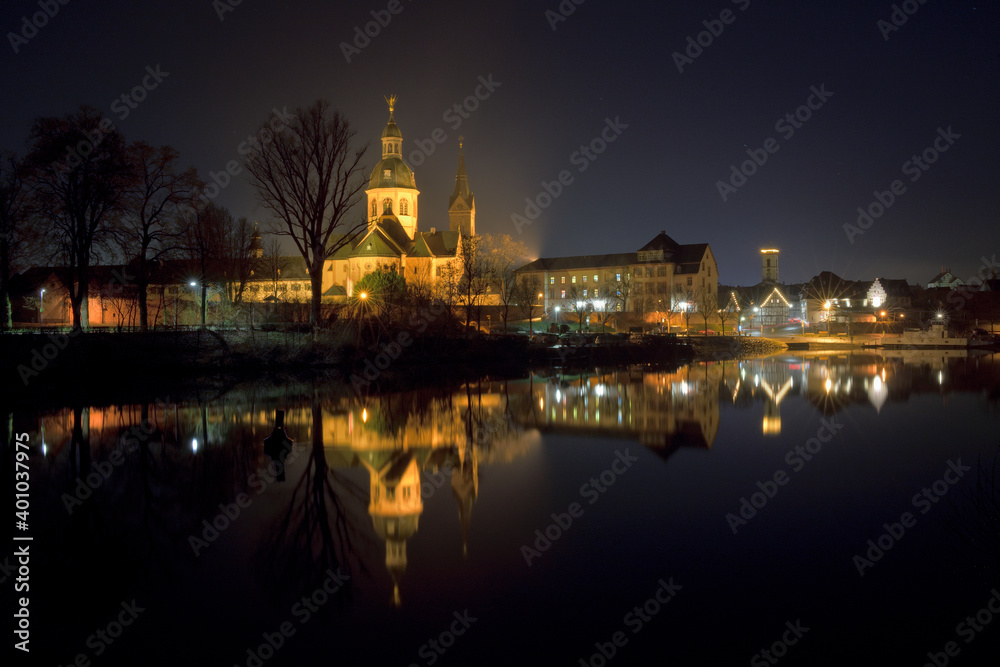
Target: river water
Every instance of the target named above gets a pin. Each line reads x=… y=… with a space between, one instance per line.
x=817 y=509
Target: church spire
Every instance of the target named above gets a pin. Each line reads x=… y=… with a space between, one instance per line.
x=462 y=204
x=461 y=177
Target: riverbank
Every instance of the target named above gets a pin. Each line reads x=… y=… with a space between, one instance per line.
x=56 y=367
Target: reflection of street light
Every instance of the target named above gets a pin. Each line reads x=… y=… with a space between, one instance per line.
x=41 y=304
x=364 y=295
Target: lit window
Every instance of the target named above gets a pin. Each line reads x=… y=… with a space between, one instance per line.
x=618 y=277
x=574 y=280
x=595 y=292
x=552 y=280
x=404 y=206
x=585 y=292
x=562 y=294
x=585 y=279
x=563 y=280
x=595 y=277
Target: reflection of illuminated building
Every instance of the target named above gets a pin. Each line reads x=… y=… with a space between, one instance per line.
x=663 y=411
x=395 y=505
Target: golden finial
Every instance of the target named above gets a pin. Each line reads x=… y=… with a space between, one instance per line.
x=460 y=140
x=391 y=101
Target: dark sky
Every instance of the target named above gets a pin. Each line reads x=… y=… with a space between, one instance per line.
x=680 y=132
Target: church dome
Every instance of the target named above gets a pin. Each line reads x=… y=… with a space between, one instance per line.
x=391 y=130
x=391 y=172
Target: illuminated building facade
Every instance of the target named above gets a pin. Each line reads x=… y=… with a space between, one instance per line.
x=393 y=239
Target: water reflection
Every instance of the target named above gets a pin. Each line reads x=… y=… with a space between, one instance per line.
x=355 y=496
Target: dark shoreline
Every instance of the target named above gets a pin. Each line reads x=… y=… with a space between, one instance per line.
x=56 y=369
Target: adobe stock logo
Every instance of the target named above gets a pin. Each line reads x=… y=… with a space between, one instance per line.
x=37 y=21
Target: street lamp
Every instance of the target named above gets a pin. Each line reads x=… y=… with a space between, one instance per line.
x=41 y=304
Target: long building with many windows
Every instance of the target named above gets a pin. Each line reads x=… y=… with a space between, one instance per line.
x=662 y=276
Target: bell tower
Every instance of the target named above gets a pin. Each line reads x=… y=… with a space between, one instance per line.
x=769 y=265
x=462 y=205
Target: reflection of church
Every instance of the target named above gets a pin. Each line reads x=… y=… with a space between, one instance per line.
x=409 y=459
x=393 y=239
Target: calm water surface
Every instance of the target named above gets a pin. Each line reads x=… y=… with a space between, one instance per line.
x=695 y=517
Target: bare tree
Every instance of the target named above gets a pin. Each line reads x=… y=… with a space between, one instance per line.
x=528 y=296
x=308 y=175
x=501 y=255
x=726 y=312
x=238 y=259
x=272 y=264
x=206 y=245
x=581 y=306
x=707 y=303
x=80 y=174
x=16 y=236
x=473 y=278
x=152 y=227
x=620 y=288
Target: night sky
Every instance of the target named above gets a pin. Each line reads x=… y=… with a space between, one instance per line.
x=678 y=133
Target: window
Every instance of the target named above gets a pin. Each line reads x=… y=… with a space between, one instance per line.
x=585 y=279
x=563 y=280
x=661 y=270
x=374 y=208
x=387 y=174
x=649 y=272
x=618 y=277
x=438 y=271
x=562 y=294
x=404 y=206
x=661 y=288
x=585 y=292
x=689 y=281
x=390 y=493
x=387 y=206
x=595 y=277
x=406 y=492
x=709 y=272
x=574 y=280
x=595 y=292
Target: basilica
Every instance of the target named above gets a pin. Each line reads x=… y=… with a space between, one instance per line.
x=393 y=238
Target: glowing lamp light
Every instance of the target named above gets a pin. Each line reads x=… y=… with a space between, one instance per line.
x=193 y=284
x=194 y=445
x=364 y=415
x=364 y=295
